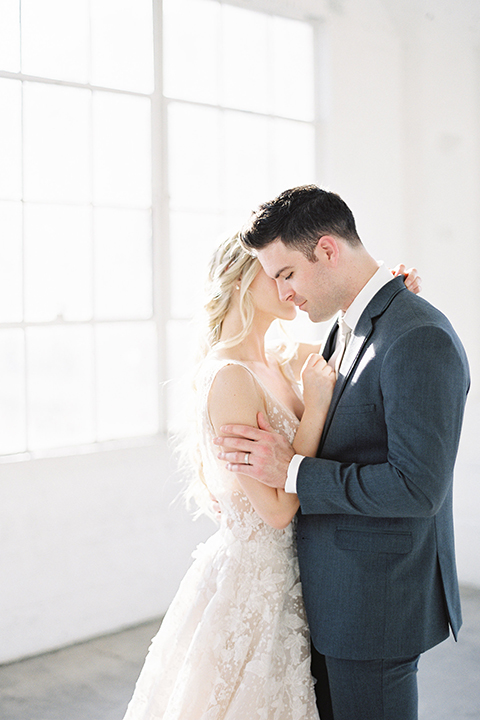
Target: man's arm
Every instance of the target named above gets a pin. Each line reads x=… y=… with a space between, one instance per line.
x=424 y=381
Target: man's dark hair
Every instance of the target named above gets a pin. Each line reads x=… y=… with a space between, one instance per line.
x=299 y=217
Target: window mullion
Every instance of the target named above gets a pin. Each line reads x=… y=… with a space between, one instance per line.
x=160 y=214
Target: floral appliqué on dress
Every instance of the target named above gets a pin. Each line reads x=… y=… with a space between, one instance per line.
x=234 y=644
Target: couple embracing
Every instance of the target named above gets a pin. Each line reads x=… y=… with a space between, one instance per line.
x=347 y=488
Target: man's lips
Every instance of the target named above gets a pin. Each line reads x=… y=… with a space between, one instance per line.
x=300 y=305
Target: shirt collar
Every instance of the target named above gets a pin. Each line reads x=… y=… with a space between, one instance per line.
x=353 y=313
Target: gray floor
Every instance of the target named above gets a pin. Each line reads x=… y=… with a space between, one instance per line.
x=94 y=680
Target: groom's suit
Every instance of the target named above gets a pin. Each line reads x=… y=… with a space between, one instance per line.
x=375 y=531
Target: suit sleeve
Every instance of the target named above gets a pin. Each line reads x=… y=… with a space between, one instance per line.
x=424 y=381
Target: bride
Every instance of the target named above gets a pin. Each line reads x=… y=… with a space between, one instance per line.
x=234 y=644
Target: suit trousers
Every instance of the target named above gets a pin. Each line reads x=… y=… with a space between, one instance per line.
x=366 y=689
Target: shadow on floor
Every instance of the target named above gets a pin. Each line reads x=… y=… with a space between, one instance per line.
x=95 y=680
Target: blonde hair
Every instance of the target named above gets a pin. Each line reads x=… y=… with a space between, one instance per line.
x=233 y=266
x=230 y=267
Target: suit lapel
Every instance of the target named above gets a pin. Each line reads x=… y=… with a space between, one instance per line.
x=352 y=354
x=356 y=346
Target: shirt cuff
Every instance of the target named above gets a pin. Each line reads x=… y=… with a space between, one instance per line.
x=292 y=472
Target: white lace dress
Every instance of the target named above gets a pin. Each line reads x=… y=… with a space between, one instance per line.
x=234 y=644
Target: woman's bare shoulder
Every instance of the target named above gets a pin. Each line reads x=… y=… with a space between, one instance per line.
x=235 y=397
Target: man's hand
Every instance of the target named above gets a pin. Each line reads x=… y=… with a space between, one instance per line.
x=260 y=453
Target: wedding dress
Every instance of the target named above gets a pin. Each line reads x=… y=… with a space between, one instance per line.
x=234 y=644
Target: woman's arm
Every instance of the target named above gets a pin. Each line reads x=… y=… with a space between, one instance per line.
x=235 y=397
x=318 y=380
x=235 y=393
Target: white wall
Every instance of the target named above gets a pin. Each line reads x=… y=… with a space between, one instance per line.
x=402 y=146
x=90 y=544
x=441 y=179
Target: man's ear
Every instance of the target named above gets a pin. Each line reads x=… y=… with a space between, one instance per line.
x=328 y=249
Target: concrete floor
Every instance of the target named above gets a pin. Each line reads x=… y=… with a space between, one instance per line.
x=94 y=680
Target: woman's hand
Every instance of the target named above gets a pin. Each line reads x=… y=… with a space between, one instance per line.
x=413 y=281
x=318 y=380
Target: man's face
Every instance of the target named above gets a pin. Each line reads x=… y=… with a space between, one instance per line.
x=311 y=285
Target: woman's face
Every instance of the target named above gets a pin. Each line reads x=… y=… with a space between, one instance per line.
x=266 y=298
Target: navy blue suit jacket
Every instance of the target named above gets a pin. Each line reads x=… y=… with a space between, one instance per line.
x=375 y=528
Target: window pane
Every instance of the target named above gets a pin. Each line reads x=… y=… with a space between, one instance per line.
x=123 y=264
x=56 y=148
x=55 y=39
x=127 y=384
x=122 y=150
x=246 y=160
x=194 y=237
x=60 y=386
x=58 y=263
x=194 y=157
x=245 y=59
x=12 y=392
x=292 y=68
x=10 y=139
x=9 y=36
x=11 y=283
x=293 y=154
x=191 y=30
x=122 y=44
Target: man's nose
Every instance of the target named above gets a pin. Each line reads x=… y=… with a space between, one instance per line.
x=285 y=291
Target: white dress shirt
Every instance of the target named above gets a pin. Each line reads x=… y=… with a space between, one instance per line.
x=351 y=318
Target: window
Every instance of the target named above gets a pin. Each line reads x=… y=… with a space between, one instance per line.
x=239 y=98
x=77 y=335
x=227 y=122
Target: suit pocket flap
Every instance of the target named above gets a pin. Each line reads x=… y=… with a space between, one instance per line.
x=380 y=541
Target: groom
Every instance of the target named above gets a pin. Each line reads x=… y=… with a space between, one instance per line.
x=375 y=526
